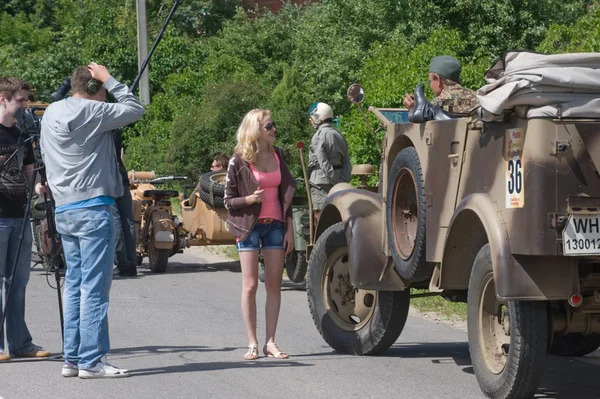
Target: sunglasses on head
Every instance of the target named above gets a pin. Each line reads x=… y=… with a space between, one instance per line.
x=270 y=126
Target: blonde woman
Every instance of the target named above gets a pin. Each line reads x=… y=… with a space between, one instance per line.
x=258 y=196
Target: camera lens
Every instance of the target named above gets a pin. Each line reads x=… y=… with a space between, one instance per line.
x=62 y=90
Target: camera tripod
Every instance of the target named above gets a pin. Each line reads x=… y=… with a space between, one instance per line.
x=55 y=259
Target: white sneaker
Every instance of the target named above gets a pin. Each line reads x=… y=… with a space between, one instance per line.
x=103 y=370
x=69 y=370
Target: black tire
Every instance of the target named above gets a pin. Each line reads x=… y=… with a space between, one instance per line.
x=261 y=268
x=572 y=345
x=387 y=310
x=405 y=216
x=218 y=201
x=513 y=369
x=296 y=266
x=158 y=258
x=206 y=180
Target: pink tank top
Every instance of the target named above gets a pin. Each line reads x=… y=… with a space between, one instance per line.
x=270 y=181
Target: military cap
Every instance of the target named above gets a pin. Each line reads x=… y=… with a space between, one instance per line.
x=446 y=66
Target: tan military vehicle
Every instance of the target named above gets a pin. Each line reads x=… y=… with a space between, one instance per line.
x=204 y=213
x=158 y=232
x=499 y=209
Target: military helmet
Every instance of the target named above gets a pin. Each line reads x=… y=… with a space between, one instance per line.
x=320 y=112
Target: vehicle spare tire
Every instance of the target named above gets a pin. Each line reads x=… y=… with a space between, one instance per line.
x=215 y=202
x=216 y=179
x=405 y=216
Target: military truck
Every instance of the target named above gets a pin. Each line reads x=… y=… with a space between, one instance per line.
x=499 y=209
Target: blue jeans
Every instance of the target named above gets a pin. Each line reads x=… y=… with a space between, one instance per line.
x=88 y=239
x=17 y=334
x=265 y=236
x=125 y=231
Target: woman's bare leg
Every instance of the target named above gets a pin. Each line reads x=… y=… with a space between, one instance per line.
x=273 y=270
x=249 y=265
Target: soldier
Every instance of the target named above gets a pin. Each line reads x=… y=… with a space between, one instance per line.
x=444 y=79
x=329 y=161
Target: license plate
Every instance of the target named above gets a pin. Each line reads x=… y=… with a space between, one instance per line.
x=581 y=235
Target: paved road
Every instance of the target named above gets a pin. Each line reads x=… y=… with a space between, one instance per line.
x=182 y=335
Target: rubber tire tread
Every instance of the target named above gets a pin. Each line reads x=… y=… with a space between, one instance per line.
x=389 y=317
x=415 y=268
x=528 y=343
x=574 y=345
x=205 y=180
x=296 y=266
x=205 y=197
x=160 y=263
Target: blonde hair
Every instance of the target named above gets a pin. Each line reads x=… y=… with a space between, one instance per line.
x=248 y=134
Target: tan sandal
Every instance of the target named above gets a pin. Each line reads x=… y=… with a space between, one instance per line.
x=276 y=353
x=252 y=353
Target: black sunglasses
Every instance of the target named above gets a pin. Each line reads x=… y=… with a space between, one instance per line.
x=270 y=126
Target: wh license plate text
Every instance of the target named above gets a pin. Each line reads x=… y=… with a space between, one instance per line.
x=581 y=235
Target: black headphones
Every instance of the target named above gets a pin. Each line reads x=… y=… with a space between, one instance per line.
x=93 y=86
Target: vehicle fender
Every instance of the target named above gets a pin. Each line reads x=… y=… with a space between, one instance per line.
x=362 y=215
x=476 y=221
x=163 y=230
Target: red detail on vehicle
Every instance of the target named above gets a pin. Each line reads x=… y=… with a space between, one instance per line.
x=575 y=300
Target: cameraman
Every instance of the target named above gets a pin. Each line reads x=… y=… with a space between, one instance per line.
x=15 y=170
x=81 y=166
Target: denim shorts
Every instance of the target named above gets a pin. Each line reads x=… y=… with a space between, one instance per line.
x=265 y=236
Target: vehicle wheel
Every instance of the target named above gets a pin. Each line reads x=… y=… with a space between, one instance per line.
x=218 y=201
x=507 y=340
x=158 y=258
x=139 y=259
x=261 y=268
x=217 y=179
x=350 y=320
x=44 y=260
x=296 y=265
x=405 y=216
x=574 y=344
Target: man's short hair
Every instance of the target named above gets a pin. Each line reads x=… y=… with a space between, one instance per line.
x=9 y=85
x=222 y=160
x=81 y=75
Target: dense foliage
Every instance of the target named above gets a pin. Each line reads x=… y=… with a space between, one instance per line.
x=217 y=61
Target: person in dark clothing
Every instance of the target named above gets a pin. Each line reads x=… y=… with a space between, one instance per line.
x=15 y=172
x=125 y=245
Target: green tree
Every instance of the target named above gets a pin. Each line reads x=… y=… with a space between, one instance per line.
x=581 y=36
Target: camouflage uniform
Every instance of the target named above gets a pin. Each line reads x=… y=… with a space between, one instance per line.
x=456 y=99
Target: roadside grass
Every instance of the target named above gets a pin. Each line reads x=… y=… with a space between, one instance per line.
x=439 y=305
x=226 y=250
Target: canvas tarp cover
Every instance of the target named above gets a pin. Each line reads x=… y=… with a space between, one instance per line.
x=539 y=85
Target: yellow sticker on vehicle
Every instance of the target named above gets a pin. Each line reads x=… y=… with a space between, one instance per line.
x=515 y=171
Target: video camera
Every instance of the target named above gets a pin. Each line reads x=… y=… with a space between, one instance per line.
x=63 y=89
